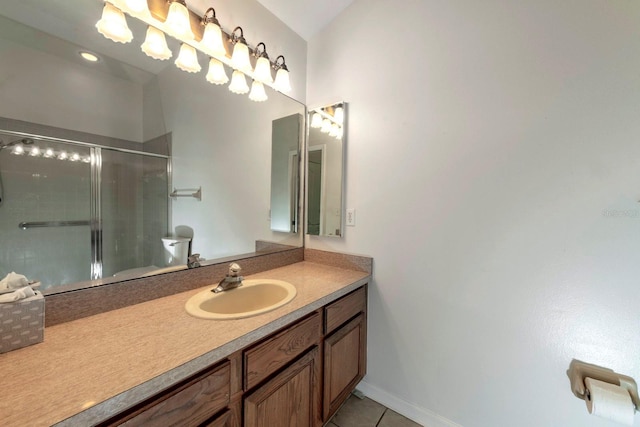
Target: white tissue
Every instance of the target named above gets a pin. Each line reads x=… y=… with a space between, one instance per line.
x=609 y=401
x=17 y=295
x=13 y=281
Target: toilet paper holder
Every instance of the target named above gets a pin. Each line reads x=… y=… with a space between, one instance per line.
x=579 y=370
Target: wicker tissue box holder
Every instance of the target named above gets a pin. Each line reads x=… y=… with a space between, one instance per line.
x=21 y=323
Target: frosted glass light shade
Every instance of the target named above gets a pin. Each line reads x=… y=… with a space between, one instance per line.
x=282 y=81
x=113 y=25
x=316 y=120
x=240 y=57
x=216 y=74
x=212 y=39
x=155 y=44
x=340 y=133
x=338 y=114
x=137 y=6
x=257 y=92
x=238 y=83
x=178 y=21
x=326 y=126
x=334 y=130
x=188 y=59
x=263 y=70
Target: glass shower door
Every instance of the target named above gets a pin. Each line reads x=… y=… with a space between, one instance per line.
x=45 y=211
x=135 y=216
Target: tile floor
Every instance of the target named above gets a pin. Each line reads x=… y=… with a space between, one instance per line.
x=365 y=412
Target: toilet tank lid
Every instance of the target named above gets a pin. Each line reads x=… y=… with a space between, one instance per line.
x=176 y=239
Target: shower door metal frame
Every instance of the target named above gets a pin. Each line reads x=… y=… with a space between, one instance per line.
x=95 y=212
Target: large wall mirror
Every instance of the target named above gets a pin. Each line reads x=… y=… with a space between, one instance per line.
x=130 y=153
x=325 y=153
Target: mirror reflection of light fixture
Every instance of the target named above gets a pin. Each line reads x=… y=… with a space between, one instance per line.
x=340 y=133
x=282 y=76
x=18 y=150
x=240 y=56
x=263 y=65
x=137 y=6
x=155 y=44
x=238 y=83
x=178 y=20
x=338 y=114
x=113 y=25
x=335 y=128
x=316 y=120
x=216 y=74
x=326 y=126
x=257 y=92
x=188 y=59
x=212 y=37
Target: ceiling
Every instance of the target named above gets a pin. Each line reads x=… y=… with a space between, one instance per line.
x=306 y=17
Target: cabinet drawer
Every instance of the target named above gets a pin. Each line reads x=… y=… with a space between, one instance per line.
x=190 y=403
x=338 y=312
x=272 y=354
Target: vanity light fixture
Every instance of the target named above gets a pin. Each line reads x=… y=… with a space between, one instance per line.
x=63 y=155
x=137 y=6
x=212 y=38
x=240 y=56
x=209 y=38
x=216 y=74
x=35 y=151
x=188 y=59
x=155 y=44
x=238 y=83
x=263 y=65
x=316 y=120
x=338 y=114
x=257 y=92
x=326 y=126
x=340 y=133
x=18 y=150
x=282 y=75
x=113 y=25
x=178 y=21
x=334 y=130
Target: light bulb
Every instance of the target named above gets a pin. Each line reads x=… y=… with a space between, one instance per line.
x=340 y=133
x=212 y=40
x=63 y=155
x=75 y=157
x=334 y=130
x=326 y=126
x=48 y=153
x=137 y=6
x=263 y=70
x=35 y=151
x=216 y=74
x=316 y=120
x=18 y=150
x=113 y=25
x=238 y=83
x=282 y=80
x=188 y=59
x=155 y=44
x=257 y=92
x=240 y=57
x=338 y=114
x=178 y=21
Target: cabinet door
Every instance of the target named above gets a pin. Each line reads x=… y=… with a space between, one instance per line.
x=344 y=363
x=290 y=399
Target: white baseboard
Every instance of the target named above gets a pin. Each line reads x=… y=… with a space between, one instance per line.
x=421 y=416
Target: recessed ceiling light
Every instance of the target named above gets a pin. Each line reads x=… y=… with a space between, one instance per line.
x=89 y=56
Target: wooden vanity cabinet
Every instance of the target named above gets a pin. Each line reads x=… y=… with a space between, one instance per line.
x=296 y=377
x=345 y=348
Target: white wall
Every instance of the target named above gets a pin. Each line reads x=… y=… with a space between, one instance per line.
x=493 y=160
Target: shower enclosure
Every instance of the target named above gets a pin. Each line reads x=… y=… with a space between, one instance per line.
x=72 y=211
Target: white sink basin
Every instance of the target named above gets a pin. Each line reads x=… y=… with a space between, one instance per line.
x=255 y=296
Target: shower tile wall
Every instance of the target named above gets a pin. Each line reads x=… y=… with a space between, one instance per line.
x=42 y=189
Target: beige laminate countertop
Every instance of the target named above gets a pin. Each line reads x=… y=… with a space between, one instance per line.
x=89 y=369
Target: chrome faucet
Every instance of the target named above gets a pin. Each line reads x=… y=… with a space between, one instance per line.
x=231 y=280
x=194 y=261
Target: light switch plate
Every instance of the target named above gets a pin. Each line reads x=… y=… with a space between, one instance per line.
x=351 y=217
